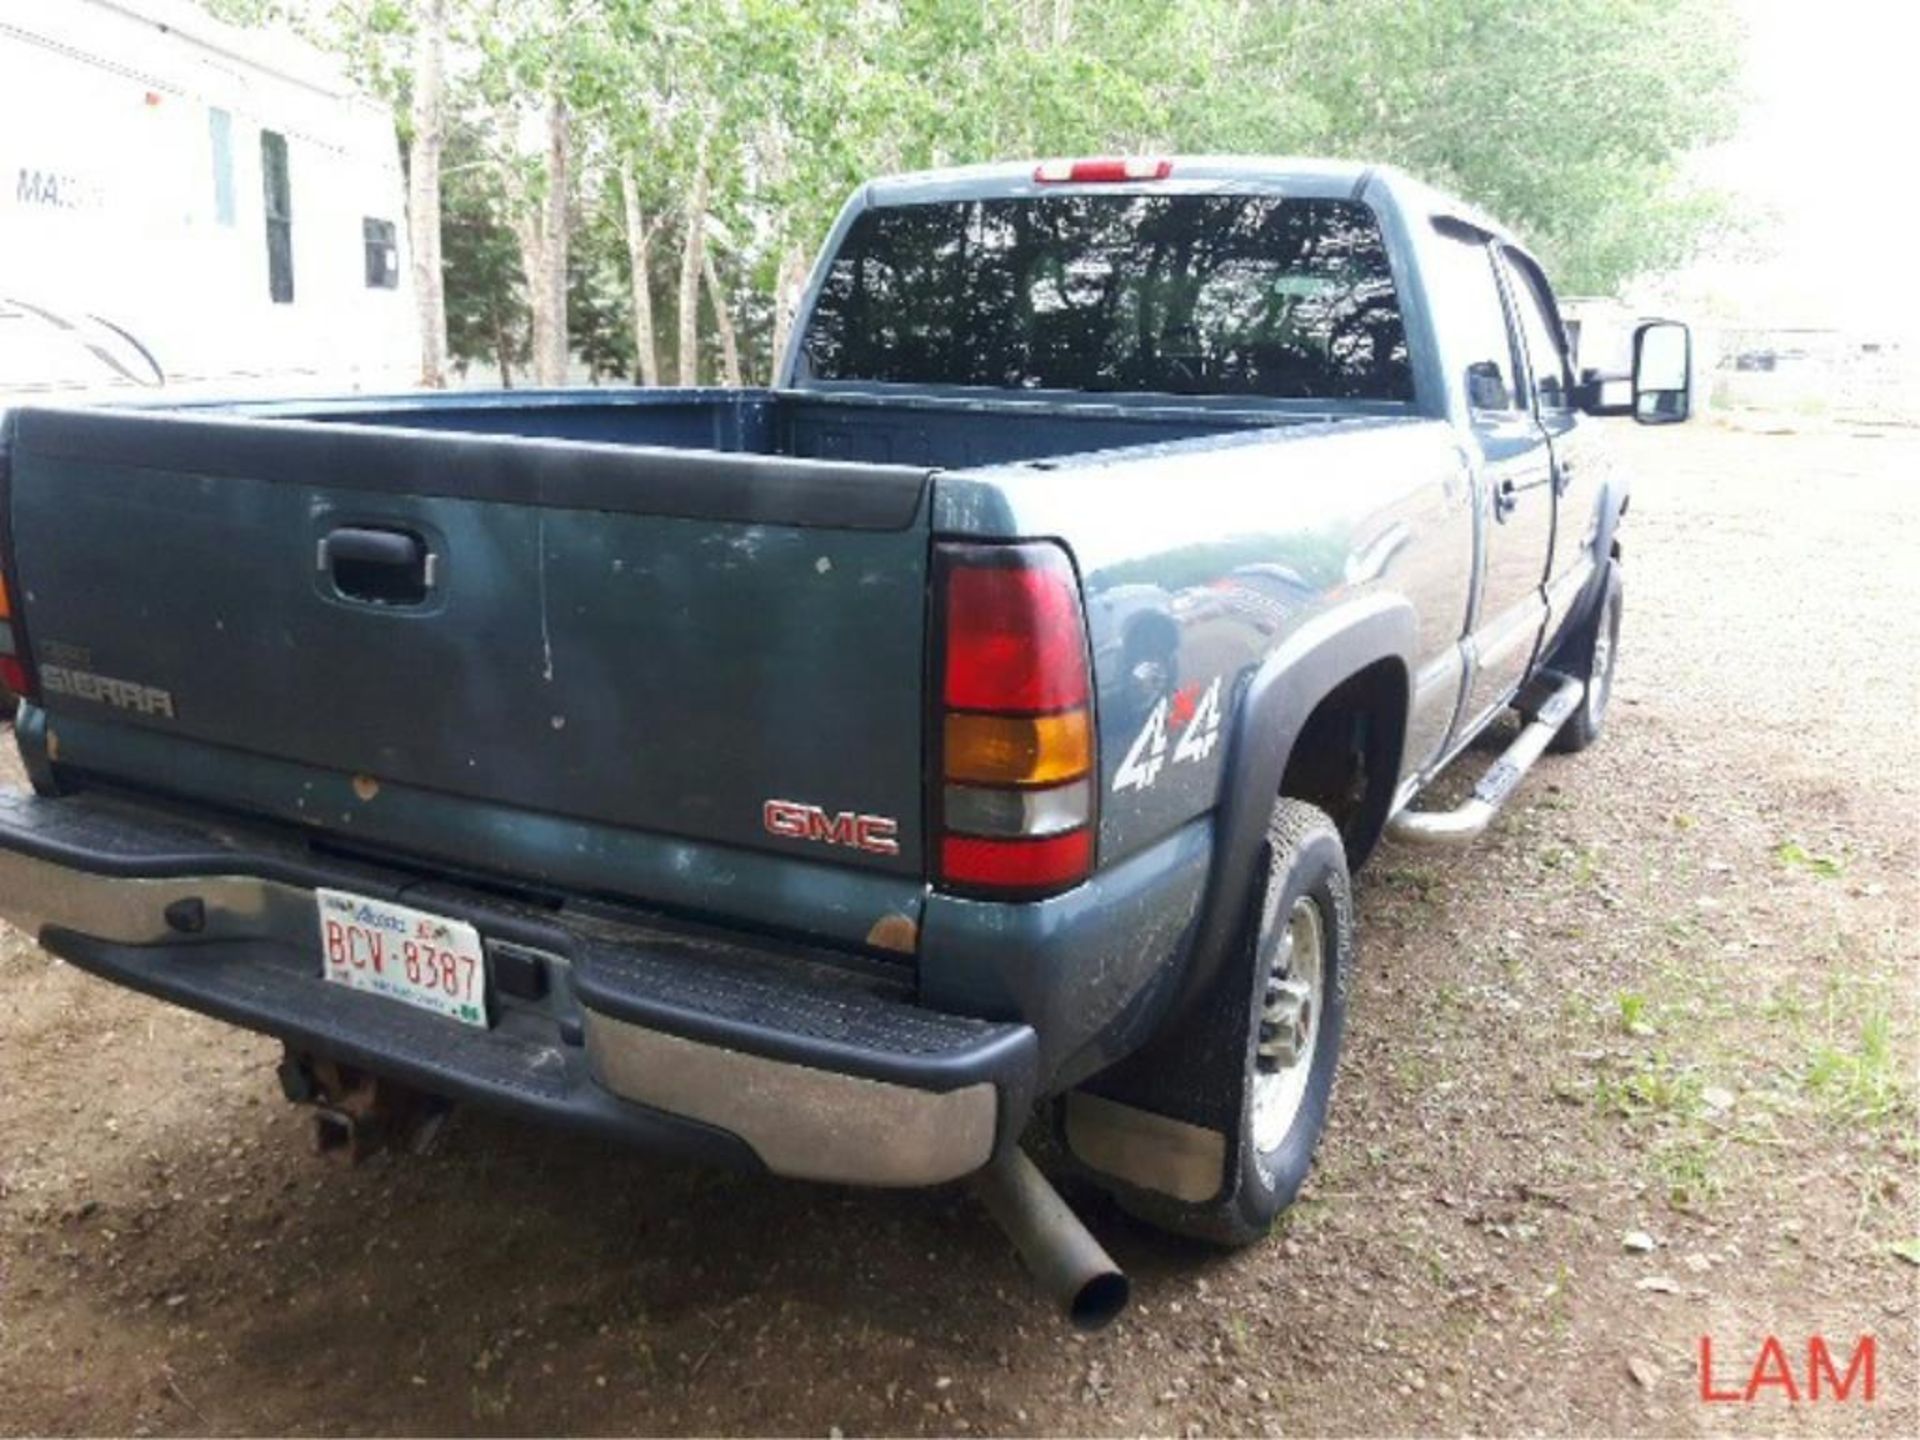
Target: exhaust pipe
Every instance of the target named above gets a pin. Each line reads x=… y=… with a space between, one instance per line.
x=1058 y=1250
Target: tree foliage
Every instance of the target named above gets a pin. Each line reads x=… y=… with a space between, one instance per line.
x=741 y=125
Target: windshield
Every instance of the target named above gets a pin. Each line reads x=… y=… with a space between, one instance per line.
x=1177 y=294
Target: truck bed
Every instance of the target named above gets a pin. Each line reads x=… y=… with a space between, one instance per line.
x=637 y=618
x=946 y=432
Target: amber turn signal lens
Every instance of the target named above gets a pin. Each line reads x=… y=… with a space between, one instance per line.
x=6 y=600
x=1018 y=749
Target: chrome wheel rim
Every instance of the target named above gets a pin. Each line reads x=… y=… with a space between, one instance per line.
x=1600 y=677
x=1290 y=1011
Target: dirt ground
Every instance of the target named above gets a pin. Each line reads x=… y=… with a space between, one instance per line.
x=1637 y=1069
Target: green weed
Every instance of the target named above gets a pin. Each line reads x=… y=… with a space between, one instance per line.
x=1795 y=856
x=1859 y=1077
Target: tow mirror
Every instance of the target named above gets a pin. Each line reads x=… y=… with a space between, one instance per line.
x=1659 y=391
x=1662 y=373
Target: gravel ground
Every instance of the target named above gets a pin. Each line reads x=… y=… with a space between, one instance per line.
x=1637 y=1069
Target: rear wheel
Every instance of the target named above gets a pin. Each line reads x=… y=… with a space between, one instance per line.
x=1297 y=955
x=1593 y=656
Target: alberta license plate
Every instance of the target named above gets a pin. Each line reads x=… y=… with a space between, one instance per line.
x=404 y=954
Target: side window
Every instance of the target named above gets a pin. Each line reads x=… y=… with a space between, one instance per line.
x=1546 y=357
x=1472 y=309
x=220 y=136
x=277 y=190
x=383 y=253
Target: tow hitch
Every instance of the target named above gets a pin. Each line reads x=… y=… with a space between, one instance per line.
x=356 y=1115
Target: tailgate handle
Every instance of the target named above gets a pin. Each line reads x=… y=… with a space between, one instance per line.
x=381 y=567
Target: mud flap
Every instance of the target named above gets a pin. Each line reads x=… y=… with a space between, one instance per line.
x=1167 y=1122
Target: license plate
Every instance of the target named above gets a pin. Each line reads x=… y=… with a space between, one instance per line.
x=404 y=954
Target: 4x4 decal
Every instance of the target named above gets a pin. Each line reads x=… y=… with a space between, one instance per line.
x=1198 y=724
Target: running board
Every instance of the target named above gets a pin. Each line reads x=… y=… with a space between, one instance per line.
x=1464 y=824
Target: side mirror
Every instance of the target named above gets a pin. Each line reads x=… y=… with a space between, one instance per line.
x=1662 y=373
x=1661 y=385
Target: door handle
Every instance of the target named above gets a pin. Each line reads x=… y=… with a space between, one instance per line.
x=381 y=567
x=1506 y=497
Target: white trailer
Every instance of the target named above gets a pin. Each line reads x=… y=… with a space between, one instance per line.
x=222 y=200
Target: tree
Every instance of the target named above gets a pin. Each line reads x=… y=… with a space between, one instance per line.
x=535 y=57
x=704 y=146
x=487 y=320
x=1568 y=119
x=722 y=320
x=423 y=187
x=638 y=232
x=693 y=240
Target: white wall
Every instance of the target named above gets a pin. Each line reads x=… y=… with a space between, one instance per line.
x=107 y=196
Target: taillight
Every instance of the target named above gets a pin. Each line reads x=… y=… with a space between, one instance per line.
x=1015 y=809
x=1105 y=169
x=16 y=664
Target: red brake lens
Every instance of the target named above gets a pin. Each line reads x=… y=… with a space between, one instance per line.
x=1102 y=169
x=1014 y=637
x=1046 y=864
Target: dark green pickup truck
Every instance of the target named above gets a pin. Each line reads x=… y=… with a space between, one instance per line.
x=980 y=724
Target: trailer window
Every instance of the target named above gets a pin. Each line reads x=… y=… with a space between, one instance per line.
x=383 y=253
x=1177 y=294
x=220 y=137
x=278 y=194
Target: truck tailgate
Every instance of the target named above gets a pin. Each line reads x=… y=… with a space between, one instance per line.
x=653 y=640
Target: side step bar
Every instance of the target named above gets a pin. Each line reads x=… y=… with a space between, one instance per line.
x=1467 y=822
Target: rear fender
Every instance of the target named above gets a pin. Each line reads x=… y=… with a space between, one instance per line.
x=1307 y=667
x=1170 y=1113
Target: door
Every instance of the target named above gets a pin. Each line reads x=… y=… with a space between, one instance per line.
x=1576 y=473
x=1514 y=484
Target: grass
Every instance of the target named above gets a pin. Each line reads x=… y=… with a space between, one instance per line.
x=1633 y=1012
x=1837 y=1058
x=1689 y=1167
x=1795 y=856
x=1658 y=1089
x=1854 y=1070
x=1418 y=880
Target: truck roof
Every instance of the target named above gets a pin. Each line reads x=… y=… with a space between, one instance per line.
x=1282 y=174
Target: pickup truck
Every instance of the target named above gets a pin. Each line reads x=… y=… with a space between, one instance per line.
x=969 y=737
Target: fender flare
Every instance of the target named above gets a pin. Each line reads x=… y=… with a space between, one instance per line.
x=1272 y=709
x=1612 y=504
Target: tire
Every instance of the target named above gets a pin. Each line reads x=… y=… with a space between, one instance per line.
x=1593 y=655
x=1305 y=895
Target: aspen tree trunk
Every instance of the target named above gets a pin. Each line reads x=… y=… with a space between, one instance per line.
x=639 y=244
x=423 y=191
x=692 y=251
x=722 y=322
x=547 y=267
x=786 y=300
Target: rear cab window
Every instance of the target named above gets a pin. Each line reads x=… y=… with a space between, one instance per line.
x=1171 y=294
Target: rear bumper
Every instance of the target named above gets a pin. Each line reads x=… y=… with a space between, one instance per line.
x=731 y=1048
